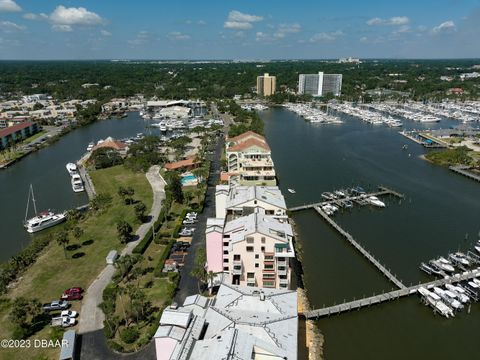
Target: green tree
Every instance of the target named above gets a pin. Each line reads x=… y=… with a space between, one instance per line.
x=175 y=186
x=140 y=209
x=77 y=232
x=124 y=230
x=198 y=270
x=62 y=239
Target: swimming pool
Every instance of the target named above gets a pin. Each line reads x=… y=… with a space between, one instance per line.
x=188 y=178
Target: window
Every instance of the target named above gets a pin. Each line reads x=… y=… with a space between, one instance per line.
x=250 y=240
x=263 y=239
x=225 y=252
x=268 y=267
x=225 y=260
x=249 y=248
x=236 y=257
x=250 y=275
x=225 y=268
x=263 y=248
x=256 y=265
x=225 y=243
x=257 y=256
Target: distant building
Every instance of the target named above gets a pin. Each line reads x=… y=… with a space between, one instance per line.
x=16 y=133
x=111 y=143
x=456 y=91
x=349 y=60
x=320 y=84
x=239 y=323
x=266 y=85
x=182 y=165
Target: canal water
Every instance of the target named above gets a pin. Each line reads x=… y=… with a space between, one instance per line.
x=440 y=214
x=45 y=170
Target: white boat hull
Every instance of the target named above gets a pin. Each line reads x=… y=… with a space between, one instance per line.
x=56 y=219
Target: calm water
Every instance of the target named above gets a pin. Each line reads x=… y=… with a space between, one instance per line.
x=440 y=213
x=45 y=170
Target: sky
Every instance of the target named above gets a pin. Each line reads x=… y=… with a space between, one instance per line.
x=238 y=29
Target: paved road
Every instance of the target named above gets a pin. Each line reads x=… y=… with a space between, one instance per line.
x=91 y=317
x=188 y=284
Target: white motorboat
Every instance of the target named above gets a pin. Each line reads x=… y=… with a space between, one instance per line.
x=90 y=146
x=460 y=258
x=375 y=201
x=291 y=191
x=77 y=183
x=444 y=264
x=455 y=304
x=458 y=292
x=162 y=126
x=71 y=168
x=43 y=220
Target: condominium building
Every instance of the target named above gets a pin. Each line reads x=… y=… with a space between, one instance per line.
x=239 y=323
x=249 y=160
x=255 y=250
x=320 y=84
x=236 y=201
x=266 y=85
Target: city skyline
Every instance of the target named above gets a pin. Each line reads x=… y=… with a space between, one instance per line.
x=238 y=30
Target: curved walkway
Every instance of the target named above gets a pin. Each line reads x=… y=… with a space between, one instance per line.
x=91 y=316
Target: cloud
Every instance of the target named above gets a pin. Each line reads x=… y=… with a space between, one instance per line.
x=284 y=29
x=396 y=20
x=9 y=6
x=324 y=36
x=177 y=35
x=446 y=27
x=364 y=39
x=62 y=28
x=8 y=27
x=142 y=38
x=105 y=32
x=74 y=16
x=31 y=16
x=239 y=21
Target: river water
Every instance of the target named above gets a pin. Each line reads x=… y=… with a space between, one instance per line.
x=440 y=214
x=45 y=170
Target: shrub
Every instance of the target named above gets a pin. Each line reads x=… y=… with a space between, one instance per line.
x=114 y=345
x=129 y=335
x=161 y=261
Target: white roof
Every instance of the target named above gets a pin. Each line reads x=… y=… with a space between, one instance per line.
x=258 y=222
x=178 y=317
x=269 y=194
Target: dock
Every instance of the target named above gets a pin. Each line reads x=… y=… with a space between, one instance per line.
x=382 y=190
x=362 y=250
x=87 y=181
x=423 y=140
x=463 y=170
x=393 y=295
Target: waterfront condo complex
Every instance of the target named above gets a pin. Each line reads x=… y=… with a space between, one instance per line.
x=320 y=84
x=249 y=160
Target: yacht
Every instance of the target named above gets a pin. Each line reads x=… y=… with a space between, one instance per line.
x=459 y=293
x=339 y=193
x=77 y=183
x=71 y=168
x=162 y=126
x=375 y=201
x=90 y=146
x=460 y=258
x=444 y=264
x=455 y=304
x=477 y=246
x=291 y=191
x=42 y=220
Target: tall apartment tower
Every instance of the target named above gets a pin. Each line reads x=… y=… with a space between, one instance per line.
x=320 y=84
x=266 y=85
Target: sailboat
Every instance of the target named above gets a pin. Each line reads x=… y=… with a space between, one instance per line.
x=42 y=220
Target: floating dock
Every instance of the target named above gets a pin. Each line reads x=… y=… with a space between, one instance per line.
x=396 y=294
x=464 y=170
x=422 y=139
x=382 y=191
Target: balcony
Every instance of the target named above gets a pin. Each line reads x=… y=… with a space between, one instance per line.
x=283 y=271
x=237 y=268
x=283 y=281
x=251 y=281
x=284 y=250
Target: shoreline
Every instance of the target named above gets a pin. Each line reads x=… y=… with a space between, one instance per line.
x=314 y=338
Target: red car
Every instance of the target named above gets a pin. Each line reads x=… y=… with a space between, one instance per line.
x=72 y=296
x=73 y=290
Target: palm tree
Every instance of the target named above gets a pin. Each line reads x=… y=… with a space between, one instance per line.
x=210 y=276
x=123 y=230
x=62 y=239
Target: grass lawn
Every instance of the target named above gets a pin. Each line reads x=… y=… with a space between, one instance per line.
x=53 y=273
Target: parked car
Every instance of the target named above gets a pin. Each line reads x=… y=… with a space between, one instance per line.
x=185 y=232
x=63 y=321
x=56 y=305
x=73 y=290
x=72 y=296
x=192 y=215
x=189 y=221
x=69 y=313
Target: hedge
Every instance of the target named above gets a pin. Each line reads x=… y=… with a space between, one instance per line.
x=179 y=223
x=161 y=261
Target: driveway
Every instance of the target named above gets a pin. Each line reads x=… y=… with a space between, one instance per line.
x=91 y=317
x=188 y=284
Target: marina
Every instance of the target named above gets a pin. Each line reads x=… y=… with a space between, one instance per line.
x=464 y=170
x=401 y=236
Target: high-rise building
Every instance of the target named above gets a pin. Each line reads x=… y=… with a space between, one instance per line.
x=320 y=84
x=266 y=85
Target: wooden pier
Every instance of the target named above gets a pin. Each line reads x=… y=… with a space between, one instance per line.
x=396 y=294
x=463 y=170
x=87 y=182
x=382 y=191
x=362 y=250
